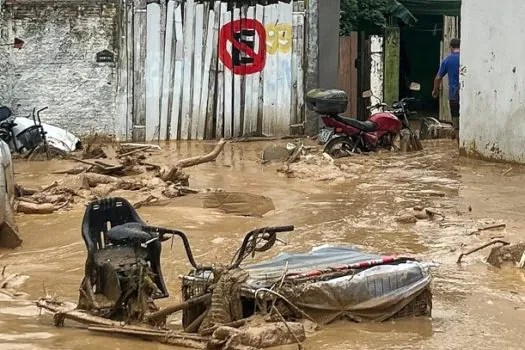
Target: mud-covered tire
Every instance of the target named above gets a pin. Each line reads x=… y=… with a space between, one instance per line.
x=39 y=153
x=340 y=147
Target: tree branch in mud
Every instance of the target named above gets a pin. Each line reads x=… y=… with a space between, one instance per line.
x=26 y=207
x=169 y=181
x=163 y=313
x=481 y=247
x=175 y=174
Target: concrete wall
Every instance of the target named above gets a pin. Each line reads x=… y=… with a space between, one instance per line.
x=322 y=52
x=329 y=14
x=57 y=66
x=5 y=81
x=492 y=123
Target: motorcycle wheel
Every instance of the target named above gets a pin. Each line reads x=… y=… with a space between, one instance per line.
x=341 y=147
x=40 y=154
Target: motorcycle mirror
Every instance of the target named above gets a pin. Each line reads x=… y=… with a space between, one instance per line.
x=367 y=94
x=415 y=86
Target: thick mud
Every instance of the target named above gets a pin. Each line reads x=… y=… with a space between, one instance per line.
x=475 y=305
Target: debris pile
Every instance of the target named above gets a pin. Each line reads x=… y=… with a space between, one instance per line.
x=309 y=162
x=511 y=254
x=432 y=128
x=411 y=216
x=9 y=284
x=128 y=170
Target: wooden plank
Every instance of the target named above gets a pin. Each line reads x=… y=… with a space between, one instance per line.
x=236 y=92
x=298 y=59
x=295 y=63
x=344 y=72
x=153 y=71
x=242 y=78
x=129 y=66
x=301 y=69
x=122 y=71
x=197 y=69
x=348 y=72
x=209 y=50
x=228 y=88
x=167 y=73
x=298 y=6
x=212 y=91
x=162 y=28
x=271 y=71
x=258 y=87
x=174 y=124
x=284 y=75
x=391 y=73
x=354 y=93
x=251 y=83
x=362 y=76
x=189 y=26
x=139 y=58
x=219 y=124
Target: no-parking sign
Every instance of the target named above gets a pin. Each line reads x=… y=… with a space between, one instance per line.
x=242 y=46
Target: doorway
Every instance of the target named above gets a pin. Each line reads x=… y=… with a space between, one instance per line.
x=420 y=55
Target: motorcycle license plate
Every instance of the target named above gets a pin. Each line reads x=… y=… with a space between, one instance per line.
x=325 y=135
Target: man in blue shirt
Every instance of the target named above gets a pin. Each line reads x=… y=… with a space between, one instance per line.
x=450 y=67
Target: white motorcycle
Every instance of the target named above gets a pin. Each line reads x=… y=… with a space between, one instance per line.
x=35 y=140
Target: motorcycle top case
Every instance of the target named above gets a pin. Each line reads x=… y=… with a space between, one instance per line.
x=327 y=101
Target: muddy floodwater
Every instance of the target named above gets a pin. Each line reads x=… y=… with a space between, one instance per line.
x=474 y=305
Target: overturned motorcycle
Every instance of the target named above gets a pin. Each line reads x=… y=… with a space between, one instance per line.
x=221 y=304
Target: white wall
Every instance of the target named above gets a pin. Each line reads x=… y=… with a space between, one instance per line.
x=57 y=65
x=492 y=122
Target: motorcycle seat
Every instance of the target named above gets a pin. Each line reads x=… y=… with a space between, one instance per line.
x=130 y=232
x=363 y=126
x=5 y=113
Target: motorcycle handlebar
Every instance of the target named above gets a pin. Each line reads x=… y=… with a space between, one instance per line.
x=378 y=105
x=163 y=232
x=279 y=229
x=41 y=110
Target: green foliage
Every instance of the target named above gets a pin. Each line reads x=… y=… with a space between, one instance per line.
x=367 y=15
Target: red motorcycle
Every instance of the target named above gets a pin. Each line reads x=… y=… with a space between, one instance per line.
x=344 y=136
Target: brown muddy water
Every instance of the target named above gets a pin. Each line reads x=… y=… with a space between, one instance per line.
x=474 y=306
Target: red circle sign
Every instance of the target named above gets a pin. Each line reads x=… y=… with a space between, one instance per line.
x=235 y=33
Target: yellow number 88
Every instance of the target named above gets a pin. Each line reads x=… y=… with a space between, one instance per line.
x=278 y=38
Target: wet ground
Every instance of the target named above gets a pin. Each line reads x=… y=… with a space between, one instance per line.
x=475 y=306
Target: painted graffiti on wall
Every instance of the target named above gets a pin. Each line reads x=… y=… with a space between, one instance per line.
x=240 y=44
x=237 y=69
x=279 y=38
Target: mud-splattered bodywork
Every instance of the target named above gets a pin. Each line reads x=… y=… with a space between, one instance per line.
x=9 y=238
